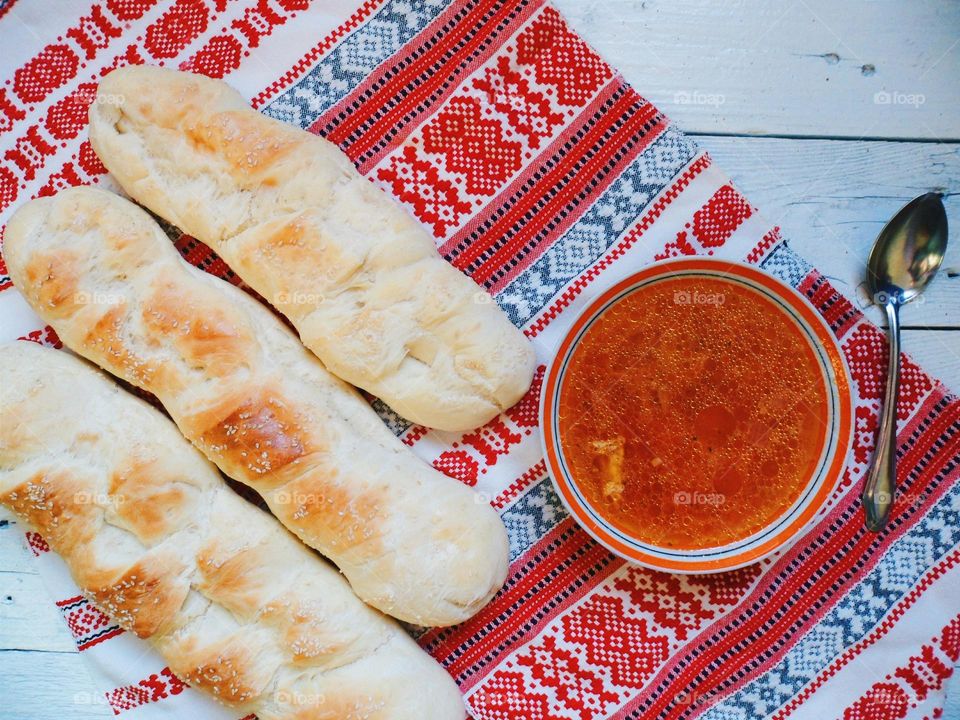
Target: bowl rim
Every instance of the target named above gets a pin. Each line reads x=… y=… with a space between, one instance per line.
x=806 y=509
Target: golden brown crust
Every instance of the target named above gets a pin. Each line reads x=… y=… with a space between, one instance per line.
x=54 y=503
x=144 y=597
x=153 y=502
x=262 y=435
x=236 y=606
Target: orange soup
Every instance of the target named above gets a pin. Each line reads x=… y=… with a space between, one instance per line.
x=692 y=412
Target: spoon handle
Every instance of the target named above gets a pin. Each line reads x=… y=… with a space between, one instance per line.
x=881 y=481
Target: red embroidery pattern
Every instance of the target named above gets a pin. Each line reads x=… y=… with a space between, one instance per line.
x=910 y=684
x=598 y=654
x=479 y=450
x=58 y=64
x=87 y=623
x=458 y=464
x=377 y=116
x=714 y=223
x=47 y=337
x=473 y=146
x=711 y=226
x=527 y=109
x=680 y=246
x=181 y=24
x=416 y=181
x=154 y=688
x=480 y=138
x=561 y=59
x=37 y=544
x=866 y=351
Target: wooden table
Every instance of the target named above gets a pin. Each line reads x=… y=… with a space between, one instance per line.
x=828 y=115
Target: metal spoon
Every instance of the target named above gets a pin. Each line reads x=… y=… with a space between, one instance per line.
x=905 y=257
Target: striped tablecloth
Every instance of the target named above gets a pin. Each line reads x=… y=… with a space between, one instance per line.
x=546 y=178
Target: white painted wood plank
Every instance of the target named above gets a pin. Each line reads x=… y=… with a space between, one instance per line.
x=831 y=198
x=952 y=709
x=857 y=69
x=14 y=556
x=31 y=620
x=48 y=686
x=937 y=352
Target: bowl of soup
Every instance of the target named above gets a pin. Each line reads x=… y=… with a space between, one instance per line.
x=697 y=416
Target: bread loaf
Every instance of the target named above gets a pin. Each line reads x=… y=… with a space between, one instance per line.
x=412 y=542
x=235 y=605
x=359 y=278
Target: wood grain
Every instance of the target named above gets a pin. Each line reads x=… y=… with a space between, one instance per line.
x=48 y=686
x=857 y=69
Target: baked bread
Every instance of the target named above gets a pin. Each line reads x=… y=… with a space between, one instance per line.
x=235 y=604
x=412 y=542
x=358 y=277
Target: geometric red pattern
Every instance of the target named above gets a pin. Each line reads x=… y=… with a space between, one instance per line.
x=527 y=109
x=37 y=544
x=149 y=690
x=716 y=221
x=866 y=352
x=907 y=686
x=663 y=596
x=415 y=181
x=176 y=28
x=46 y=337
x=574 y=685
x=883 y=701
x=472 y=145
x=87 y=623
x=506 y=697
x=60 y=63
x=459 y=465
x=726 y=588
x=612 y=639
x=676 y=248
x=561 y=58
x=52 y=67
